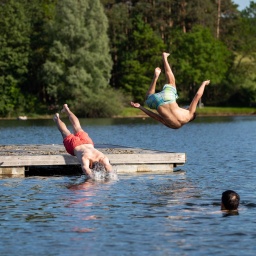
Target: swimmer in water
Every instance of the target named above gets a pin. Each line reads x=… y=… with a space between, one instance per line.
x=230 y=201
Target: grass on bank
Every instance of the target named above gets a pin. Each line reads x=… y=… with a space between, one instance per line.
x=226 y=111
x=205 y=111
x=133 y=112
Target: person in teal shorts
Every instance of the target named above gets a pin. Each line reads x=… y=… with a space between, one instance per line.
x=169 y=112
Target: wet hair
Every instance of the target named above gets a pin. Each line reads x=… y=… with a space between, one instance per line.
x=97 y=166
x=230 y=200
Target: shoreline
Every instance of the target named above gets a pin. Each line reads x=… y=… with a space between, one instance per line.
x=129 y=112
x=47 y=117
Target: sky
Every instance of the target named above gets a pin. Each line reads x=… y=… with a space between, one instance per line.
x=242 y=4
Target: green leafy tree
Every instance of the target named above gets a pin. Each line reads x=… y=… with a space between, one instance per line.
x=202 y=57
x=229 y=24
x=120 y=25
x=77 y=70
x=41 y=13
x=242 y=91
x=14 y=52
x=140 y=59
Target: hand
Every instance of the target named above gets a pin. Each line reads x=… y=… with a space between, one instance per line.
x=157 y=71
x=135 y=105
x=87 y=171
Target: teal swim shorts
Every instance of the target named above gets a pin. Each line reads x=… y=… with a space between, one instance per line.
x=166 y=96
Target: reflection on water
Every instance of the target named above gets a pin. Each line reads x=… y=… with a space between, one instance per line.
x=138 y=214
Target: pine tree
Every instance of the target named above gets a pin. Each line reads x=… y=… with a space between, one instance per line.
x=244 y=93
x=41 y=13
x=14 y=52
x=229 y=23
x=79 y=64
x=143 y=54
x=120 y=26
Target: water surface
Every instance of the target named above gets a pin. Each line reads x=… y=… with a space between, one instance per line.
x=140 y=214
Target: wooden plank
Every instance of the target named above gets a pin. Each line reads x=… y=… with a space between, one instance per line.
x=12 y=171
x=14 y=159
x=43 y=160
x=133 y=168
x=47 y=160
x=158 y=158
x=58 y=149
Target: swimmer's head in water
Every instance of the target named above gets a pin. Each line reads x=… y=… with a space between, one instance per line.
x=98 y=167
x=230 y=200
x=101 y=174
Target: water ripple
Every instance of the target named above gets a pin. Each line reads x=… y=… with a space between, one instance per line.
x=139 y=214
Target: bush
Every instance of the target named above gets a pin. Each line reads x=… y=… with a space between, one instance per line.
x=243 y=97
x=105 y=103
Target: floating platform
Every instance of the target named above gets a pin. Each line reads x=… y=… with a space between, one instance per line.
x=27 y=160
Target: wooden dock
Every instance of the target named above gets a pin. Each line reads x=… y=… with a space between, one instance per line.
x=25 y=160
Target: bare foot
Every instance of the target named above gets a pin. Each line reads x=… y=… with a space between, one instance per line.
x=135 y=105
x=165 y=54
x=56 y=117
x=206 y=82
x=157 y=71
x=65 y=108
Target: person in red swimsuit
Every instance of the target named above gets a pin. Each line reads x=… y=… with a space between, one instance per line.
x=80 y=144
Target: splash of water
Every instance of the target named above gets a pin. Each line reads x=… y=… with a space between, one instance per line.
x=103 y=175
x=99 y=173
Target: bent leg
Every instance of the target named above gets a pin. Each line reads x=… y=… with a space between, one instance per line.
x=72 y=118
x=168 y=72
x=61 y=126
x=152 y=87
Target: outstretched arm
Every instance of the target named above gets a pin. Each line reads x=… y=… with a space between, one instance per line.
x=149 y=113
x=85 y=164
x=198 y=96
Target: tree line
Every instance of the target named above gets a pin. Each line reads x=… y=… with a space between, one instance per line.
x=97 y=55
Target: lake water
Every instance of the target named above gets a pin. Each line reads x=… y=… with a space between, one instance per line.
x=140 y=214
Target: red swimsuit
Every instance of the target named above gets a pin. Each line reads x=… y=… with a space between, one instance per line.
x=74 y=140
